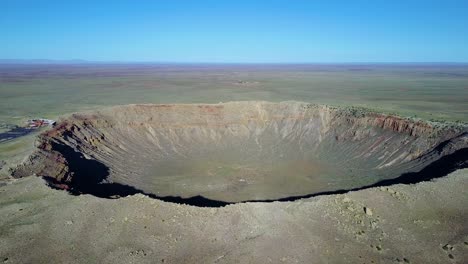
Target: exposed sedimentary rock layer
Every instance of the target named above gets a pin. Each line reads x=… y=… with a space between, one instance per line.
x=238 y=151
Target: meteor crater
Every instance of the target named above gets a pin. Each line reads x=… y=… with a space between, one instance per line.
x=216 y=154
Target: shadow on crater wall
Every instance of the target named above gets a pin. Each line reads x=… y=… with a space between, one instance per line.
x=89 y=177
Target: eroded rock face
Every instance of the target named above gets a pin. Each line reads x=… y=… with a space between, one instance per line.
x=237 y=151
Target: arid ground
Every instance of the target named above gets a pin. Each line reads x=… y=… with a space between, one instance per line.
x=381 y=122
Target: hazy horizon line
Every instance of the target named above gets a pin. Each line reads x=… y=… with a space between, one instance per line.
x=83 y=61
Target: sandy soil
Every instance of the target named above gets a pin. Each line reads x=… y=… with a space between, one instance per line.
x=422 y=223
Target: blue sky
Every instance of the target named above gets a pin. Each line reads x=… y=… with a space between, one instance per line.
x=286 y=31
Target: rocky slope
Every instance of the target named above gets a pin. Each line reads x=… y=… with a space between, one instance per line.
x=421 y=223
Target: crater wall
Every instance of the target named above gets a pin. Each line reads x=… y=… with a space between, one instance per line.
x=237 y=151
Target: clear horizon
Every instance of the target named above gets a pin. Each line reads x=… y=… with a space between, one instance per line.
x=82 y=61
x=245 y=32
